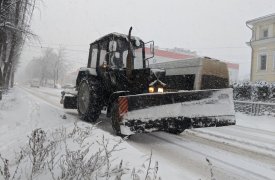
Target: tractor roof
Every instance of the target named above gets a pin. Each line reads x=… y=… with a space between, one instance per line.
x=115 y=35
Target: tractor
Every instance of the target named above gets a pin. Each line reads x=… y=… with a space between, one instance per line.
x=136 y=98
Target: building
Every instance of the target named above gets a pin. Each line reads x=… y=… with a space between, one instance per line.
x=262 y=45
x=167 y=55
x=233 y=70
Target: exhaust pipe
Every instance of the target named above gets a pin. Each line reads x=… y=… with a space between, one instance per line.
x=130 y=57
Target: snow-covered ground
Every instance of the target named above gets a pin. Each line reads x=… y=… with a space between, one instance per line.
x=244 y=151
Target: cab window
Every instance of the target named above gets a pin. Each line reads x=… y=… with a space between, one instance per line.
x=94 y=56
x=103 y=53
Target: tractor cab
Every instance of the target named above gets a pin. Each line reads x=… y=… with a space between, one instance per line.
x=112 y=51
x=119 y=60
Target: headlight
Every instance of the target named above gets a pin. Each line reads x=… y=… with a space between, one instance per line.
x=160 y=90
x=151 y=89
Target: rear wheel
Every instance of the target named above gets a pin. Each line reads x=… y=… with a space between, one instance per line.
x=89 y=103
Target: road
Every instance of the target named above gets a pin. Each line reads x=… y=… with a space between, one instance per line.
x=234 y=152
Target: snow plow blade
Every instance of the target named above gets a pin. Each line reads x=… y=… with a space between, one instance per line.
x=175 y=111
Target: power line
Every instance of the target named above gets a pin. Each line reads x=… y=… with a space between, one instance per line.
x=217 y=47
x=225 y=47
x=69 y=49
x=61 y=44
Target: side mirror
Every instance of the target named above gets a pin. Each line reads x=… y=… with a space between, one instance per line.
x=112 y=46
x=152 y=48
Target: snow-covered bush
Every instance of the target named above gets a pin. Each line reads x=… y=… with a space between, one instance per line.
x=260 y=91
x=242 y=90
x=76 y=154
x=272 y=92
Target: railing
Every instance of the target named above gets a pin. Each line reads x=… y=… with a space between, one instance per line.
x=255 y=108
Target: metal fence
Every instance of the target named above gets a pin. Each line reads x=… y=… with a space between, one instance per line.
x=255 y=108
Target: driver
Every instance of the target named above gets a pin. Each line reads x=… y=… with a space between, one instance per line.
x=116 y=61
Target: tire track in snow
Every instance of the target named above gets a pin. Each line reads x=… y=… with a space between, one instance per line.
x=40 y=96
x=50 y=94
x=263 y=136
x=261 y=155
x=211 y=157
x=226 y=139
x=34 y=113
x=260 y=131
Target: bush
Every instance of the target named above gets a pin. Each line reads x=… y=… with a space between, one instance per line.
x=76 y=154
x=272 y=92
x=242 y=91
x=260 y=91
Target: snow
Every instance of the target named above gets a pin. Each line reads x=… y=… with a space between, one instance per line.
x=244 y=151
x=257 y=122
x=239 y=137
x=21 y=113
x=125 y=130
x=217 y=105
x=119 y=35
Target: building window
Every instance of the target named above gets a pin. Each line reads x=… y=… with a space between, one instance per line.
x=262 y=62
x=265 y=33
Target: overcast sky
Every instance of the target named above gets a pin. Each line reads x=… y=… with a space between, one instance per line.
x=214 y=28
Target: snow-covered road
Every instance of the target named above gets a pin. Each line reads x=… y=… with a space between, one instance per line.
x=189 y=151
x=244 y=151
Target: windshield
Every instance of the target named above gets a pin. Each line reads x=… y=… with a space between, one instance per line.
x=138 y=62
x=118 y=59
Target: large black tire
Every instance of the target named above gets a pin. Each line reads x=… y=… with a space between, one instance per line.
x=115 y=119
x=89 y=103
x=176 y=127
x=175 y=130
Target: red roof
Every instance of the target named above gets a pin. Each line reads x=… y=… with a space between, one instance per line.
x=232 y=65
x=169 y=54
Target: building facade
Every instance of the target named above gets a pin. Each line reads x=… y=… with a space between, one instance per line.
x=262 y=44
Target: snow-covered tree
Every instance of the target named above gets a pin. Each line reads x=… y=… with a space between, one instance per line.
x=50 y=67
x=15 y=16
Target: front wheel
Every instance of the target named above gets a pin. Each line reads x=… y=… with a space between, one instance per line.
x=175 y=126
x=115 y=119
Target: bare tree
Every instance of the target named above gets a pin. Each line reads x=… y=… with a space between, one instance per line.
x=59 y=67
x=15 y=16
x=49 y=68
